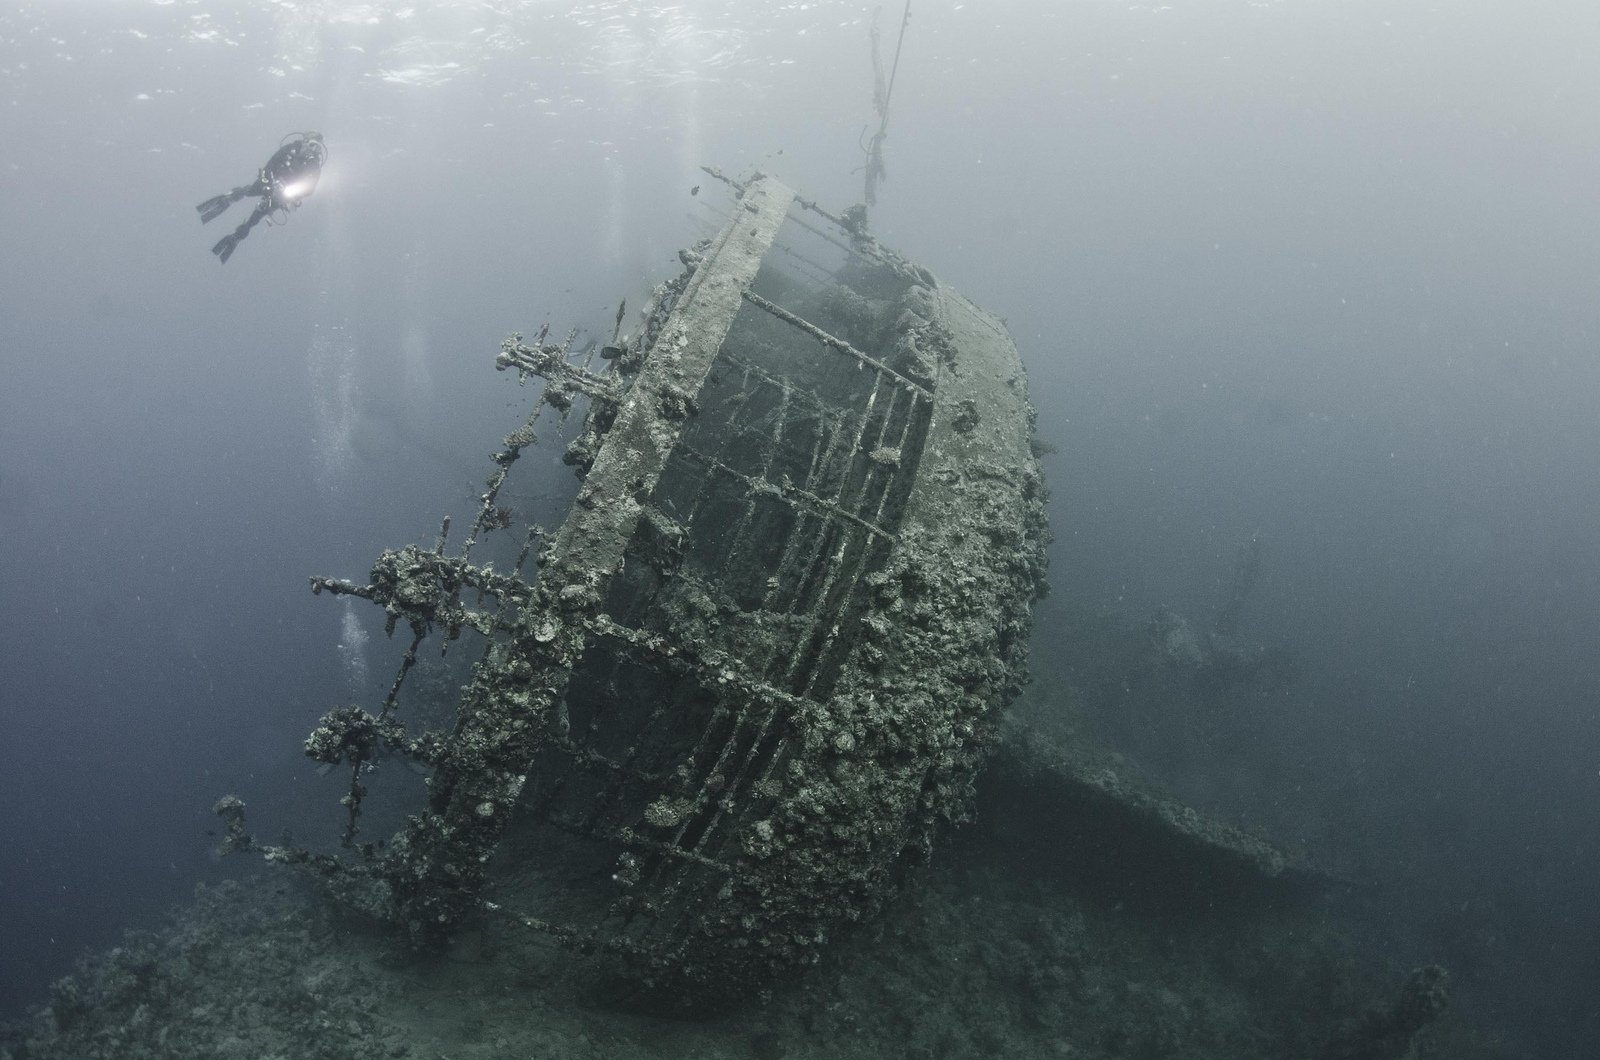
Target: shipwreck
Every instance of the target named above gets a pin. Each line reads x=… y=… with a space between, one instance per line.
x=723 y=707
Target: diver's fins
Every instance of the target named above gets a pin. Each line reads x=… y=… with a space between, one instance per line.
x=224 y=248
x=213 y=207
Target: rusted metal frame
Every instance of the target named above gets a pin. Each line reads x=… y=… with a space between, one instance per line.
x=438 y=866
x=550 y=362
x=861 y=453
x=729 y=713
x=862 y=245
x=712 y=589
x=877 y=516
x=610 y=801
x=716 y=670
x=804 y=394
x=697 y=853
x=724 y=709
x=818 y=609
x=501 y=620
x=589 y=353
x=604 y=376
x=900 y=447
x=774 y=760
x=597 y=534
x=556 y=364
x=811 y=562
x=620 y=772
x=785 y=491
x=836 y=453
x=343 y=587
x=725 y=438
x=628 y=837
x=661 y=708
x=407 y=661
x=863 y=556
x=811 y=205
x=669 y=883
x=737 y=780
x=610 y=798
x=829 y=340
x=356 y=790
x=741 y=531
x=738 y=187
x=774 y=763
x=673 y=934
x=340 y=587
x=715 y=674
x=514 y=442
x=535 y=532
x=828 y=476
x=815 y=409
x=463 y=575
x=813 y=272
x=632 y=838
x=583 y=756
x=881 y=476
x=919 y=401
x=836 y=572
x=742 y=716
x=796 y=220
x=499 y=617
x=780 y=624
x=802 y=540
x=685 y=912
x=872 y=470
x=830 y=431
x=804 y=658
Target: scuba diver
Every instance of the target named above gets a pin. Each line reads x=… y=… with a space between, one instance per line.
x=288 y=177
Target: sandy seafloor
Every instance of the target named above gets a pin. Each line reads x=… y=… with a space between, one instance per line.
x=998 y=948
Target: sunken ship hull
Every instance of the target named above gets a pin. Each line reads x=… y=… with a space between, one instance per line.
x=757 y=668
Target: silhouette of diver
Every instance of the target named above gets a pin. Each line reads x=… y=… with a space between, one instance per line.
x=288 y=177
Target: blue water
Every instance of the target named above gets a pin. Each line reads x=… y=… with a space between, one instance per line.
x=1321 y=273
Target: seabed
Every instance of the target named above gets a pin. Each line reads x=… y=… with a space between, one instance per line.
x=1097 y=946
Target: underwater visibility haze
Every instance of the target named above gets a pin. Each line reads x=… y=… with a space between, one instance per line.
x=1304 y=294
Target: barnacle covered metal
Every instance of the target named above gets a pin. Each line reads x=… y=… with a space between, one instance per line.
x=755 y=670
